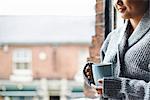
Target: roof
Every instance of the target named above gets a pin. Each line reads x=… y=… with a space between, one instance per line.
x=46 y=29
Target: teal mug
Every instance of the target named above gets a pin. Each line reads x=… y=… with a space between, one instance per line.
x=99 y=71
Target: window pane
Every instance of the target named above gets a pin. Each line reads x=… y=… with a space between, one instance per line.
x=22 y=59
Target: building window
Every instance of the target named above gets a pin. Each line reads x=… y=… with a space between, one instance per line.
x=112 y=18
x=22 y=59
x=22 y=64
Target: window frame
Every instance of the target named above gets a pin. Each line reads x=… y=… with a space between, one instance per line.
x=112 y=18
x=22 y=60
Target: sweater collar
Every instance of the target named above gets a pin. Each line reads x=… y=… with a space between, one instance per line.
x=142 y=28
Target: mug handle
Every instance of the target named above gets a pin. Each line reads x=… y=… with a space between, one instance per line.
x=88 y=81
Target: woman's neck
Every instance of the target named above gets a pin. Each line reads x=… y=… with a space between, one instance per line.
x=135 y=21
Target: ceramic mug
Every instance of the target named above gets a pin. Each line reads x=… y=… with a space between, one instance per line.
x=99 y=71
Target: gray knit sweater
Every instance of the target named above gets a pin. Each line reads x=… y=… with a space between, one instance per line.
x=133 y=83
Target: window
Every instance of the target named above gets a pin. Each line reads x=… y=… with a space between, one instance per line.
x=112 y=18
x=22 y=64
x=22 y=59
x=109 y=17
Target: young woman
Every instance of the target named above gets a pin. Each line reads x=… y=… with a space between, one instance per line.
x=128 y=49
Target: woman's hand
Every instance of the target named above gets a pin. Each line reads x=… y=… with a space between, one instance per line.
x=88 y=72
x=98 y=88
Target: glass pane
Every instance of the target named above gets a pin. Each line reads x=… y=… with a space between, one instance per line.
x=26 y=66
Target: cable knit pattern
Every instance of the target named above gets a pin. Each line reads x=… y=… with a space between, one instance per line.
x=133 y=83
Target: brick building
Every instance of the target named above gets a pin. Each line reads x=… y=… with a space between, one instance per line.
x=44 y=44
x=33 y=48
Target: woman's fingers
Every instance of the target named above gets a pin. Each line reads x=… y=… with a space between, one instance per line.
x=89 y=77
x=87 y=69
x=88 y=72
x=96 y=87
x=100 y=81
x=99 y=89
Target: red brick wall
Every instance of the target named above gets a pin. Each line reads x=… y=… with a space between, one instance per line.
x=42 y=68
x=62 y=61
x=5 y=64
x=97 y=41
x=98 y=38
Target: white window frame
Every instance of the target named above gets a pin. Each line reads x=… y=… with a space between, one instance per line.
x=22 y=52
x=21 y=56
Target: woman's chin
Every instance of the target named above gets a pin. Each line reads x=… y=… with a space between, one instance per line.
x=124 y=16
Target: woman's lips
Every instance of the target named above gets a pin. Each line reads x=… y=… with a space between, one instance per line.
x=121 y=10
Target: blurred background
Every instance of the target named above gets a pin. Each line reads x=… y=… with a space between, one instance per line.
x=44 y=45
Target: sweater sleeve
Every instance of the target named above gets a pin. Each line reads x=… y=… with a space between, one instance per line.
x=128 y=89
x=104 y=47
